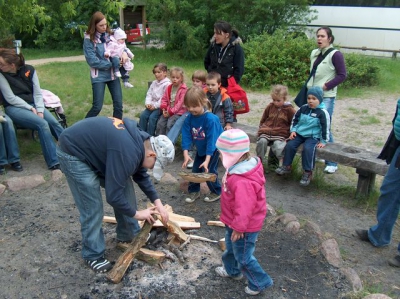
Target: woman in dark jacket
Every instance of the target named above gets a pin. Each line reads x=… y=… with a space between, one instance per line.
x=225 y=54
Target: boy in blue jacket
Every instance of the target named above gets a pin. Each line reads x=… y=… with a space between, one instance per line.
x=310 y=125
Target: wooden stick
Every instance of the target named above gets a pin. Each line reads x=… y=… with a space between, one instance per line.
x=194 y=237
x=216 y=223
x=126 y=258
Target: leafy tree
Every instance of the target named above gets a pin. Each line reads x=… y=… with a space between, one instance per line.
x=188 y=25
x=48 y=23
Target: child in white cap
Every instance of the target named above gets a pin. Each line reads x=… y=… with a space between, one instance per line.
x=243 y=210
x=114 y=50
x=310 y=127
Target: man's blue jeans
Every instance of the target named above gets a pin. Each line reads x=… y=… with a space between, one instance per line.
x=9 y=151
x=388 y=206
x=85 y=188
x=148 y=120
x=329 y=106
x=46 y=127
x=175 y=131
x=238 y=257
x=307 y=155
x=215 y=187
x=114 y=86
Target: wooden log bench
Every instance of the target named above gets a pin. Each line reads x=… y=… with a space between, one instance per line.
x=364 y=161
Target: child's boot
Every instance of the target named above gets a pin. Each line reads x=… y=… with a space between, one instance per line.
x=118 y=74
x=128 y=85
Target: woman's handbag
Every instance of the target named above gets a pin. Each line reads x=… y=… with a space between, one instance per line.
x=301 y=98
x=238 y=96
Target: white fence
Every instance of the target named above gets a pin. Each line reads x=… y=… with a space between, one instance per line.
x=361 y=27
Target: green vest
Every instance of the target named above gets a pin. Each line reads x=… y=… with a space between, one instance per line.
x=325 y=72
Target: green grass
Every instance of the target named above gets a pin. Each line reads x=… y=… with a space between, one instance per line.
x=31 y=54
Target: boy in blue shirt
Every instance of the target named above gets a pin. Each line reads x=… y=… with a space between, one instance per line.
x=310 y=125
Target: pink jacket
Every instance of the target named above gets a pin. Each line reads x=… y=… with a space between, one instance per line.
x=178 y=108
x=114 y=48
x=243 y=199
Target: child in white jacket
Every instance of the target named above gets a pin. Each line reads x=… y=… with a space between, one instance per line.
x=114 y=49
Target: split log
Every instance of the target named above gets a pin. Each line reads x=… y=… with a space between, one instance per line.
x=109 y=219
x=177 y=217
x=152 y=257
x=222 y=244
x=175 y=229
x=180 y=224
x=215 y=223
x=125 y=259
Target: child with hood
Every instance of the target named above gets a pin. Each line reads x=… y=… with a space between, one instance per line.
x=243 y=210
x=310 y=126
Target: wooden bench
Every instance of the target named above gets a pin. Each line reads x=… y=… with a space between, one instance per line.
x=364 y=161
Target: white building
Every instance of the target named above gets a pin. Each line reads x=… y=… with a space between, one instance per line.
x=375 y=28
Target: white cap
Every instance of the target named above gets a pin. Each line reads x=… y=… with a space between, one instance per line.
x=119 y=34
x=165 y=152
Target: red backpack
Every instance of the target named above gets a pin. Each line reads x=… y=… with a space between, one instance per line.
x=238 y=96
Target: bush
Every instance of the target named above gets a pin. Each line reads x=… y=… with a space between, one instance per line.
x=284 y=58
x=361 y=71
x=280 y=58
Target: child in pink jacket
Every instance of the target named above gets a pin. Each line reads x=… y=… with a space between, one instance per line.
x=243 y=210
x=114 y=49
x=172 y=105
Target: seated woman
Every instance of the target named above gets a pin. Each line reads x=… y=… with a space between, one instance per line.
x=23 y=102
x=9 y=151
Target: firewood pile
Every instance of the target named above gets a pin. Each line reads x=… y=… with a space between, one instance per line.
x=155 y=242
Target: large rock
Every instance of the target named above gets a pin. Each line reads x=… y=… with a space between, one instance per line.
x=287 y=217
x=330 y=249
x=26 y=182
x=353 y=277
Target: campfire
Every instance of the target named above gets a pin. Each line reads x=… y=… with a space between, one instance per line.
x=155 y=242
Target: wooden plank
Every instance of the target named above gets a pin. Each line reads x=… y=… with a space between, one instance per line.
x=109 y=219
x=181 y=224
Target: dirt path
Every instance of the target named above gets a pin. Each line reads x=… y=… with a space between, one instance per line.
x=40 y=234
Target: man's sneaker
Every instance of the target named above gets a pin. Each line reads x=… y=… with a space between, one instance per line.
x=100 y=265
x=128 y=85
x=118 y=74
x=306 y=178
x=193 y=197
x=222 y=272
x=362 y=234
x=330 y=169
x=251 y=292
x=281 y=170
x=2 y=170
x=395 y=262
x=212 y=197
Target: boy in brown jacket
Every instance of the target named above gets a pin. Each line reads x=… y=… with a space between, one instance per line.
x=274 y=126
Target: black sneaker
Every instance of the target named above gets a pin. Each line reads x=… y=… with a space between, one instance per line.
x=55 y=167
x=362 y=234
x=16 y=166
x=100 y=265
x=2 y=170
x=395 y=262
x=306 y=178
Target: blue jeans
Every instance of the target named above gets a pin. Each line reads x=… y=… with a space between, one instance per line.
x=307 y=155
x=148 y=120
x=238 y=257
x=46 y=127
x=388 y=206
x=215 y=187
x=85 y=188
x=9 y=151
x=175 y=131
x=329 y=106
x=114 y=86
